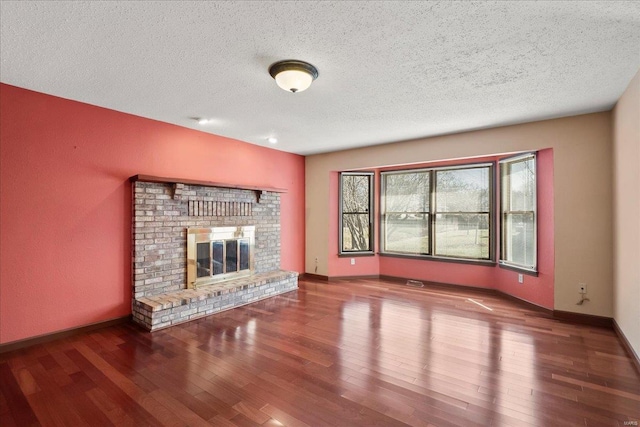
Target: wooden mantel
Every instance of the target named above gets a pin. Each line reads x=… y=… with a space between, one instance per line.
x=162 y=179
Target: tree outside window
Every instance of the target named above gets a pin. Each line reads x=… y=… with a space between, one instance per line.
x=356 y=212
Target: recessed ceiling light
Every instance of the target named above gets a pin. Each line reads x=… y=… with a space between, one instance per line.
x=272 y=139
x=203 y=121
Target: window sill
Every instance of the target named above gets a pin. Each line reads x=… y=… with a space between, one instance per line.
x=484 y=263
x=522 y=270
x=355 y=254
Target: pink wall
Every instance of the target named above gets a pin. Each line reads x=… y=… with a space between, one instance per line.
x=538 y=290
x=65 y=203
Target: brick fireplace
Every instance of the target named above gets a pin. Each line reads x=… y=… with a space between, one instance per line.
x=164 y=209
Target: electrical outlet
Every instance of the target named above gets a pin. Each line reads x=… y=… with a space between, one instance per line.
x=520 y=278
x=353 y=261
x=582 y=288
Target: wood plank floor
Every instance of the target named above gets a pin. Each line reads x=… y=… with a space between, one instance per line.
x=348 y=353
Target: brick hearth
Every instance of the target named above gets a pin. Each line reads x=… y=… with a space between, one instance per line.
x=163 y=209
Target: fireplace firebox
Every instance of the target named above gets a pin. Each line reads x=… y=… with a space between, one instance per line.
x=218 y=254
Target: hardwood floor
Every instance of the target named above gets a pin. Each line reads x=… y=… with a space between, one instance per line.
x=348 y=353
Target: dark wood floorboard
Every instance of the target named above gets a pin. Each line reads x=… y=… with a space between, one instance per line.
x=347 y=353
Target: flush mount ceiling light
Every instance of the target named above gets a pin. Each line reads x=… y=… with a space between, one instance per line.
x=293 y=76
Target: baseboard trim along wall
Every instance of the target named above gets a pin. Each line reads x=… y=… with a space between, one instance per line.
x=627 y=345
x=65 y=333
x=365 y=277
x=584 y=319
x=316 y=277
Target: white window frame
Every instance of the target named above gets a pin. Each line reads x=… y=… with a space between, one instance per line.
x=505 y=184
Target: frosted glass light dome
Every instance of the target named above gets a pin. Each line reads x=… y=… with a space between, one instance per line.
x=293 y=76
x=294 y=80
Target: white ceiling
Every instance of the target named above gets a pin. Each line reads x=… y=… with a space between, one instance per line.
x=389 y=71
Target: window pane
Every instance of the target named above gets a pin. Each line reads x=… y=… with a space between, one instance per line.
x=407 y=192
x=520 y=239
x=522 y=185
x=518 y=187
x=355 y=232
x=407 y=233
x=462 y=235
x=355 y=193
x=456 y=225
x=463 y=190
x=356 y=210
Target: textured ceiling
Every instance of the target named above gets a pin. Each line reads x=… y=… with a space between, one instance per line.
x=389 y=71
